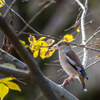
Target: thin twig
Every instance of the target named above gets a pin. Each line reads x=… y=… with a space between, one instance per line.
x=23 y=20
x=92 y=64
x=10 y=6
x=93 y=36
x=35 y=16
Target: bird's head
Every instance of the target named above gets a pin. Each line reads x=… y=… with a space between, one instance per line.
x=61 y=45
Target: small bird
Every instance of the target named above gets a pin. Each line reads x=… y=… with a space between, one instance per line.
x=70 y=62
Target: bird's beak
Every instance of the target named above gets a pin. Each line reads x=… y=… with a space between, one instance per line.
x=55 y=46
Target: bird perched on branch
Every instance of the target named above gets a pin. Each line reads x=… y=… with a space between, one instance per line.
x=70 y=62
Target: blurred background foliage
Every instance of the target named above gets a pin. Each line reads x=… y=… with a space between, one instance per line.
x=54 y=20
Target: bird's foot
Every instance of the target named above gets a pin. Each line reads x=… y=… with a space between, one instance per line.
x=68 y=79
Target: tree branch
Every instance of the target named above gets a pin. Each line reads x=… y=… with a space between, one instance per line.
x=7 y=11
x=93 y=36
x=19 y=64
x=37 y=14
x=84 y=8
x=92 y=64
x=16 y=73
x=27 y=57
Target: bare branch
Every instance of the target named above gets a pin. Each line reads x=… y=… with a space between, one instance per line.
x=80 y=4
x=84 y=8
x=22 y=20
x=63 y=93
x=92 y=64
x=25 y=74
x=27 y=57
x=19 y=64
x=7 y=11
x=37 y=14
x=14 y=72
x=93 y=36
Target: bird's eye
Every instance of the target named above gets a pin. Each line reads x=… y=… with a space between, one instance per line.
x=59 y=45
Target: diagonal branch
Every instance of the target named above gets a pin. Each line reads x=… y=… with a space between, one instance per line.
x=14 y=72
x=36 y=15
x=25 y=74
x=28 y=59
x=7 y=11
x=19 y=64
x=36 y=74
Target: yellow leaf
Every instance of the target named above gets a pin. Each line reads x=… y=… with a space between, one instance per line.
x=7 y=79
x=50 y=42
x=49 y=53
x=68 y=38
x=41 y=44
x=3 y=90
x=46 y=53
x=43 y=50
x=31 y=39
x=2 y=3
x=78 y=29
x=6 y=84
x=35 y=53
x=24 y=43
x=13 y=86
x=40 y=39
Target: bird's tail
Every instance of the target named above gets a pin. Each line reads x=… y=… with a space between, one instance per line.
x=82 y=79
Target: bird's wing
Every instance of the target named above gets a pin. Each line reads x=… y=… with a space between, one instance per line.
x=75 y=62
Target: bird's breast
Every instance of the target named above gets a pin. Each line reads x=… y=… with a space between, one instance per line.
x=66 y=66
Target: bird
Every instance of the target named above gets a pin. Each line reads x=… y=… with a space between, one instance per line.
x=70 y=62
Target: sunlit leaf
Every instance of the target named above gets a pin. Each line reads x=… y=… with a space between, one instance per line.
x=40 y=39
x=35 y=46
x=31 y=39
x=35 y=53
x=49 y=53
x=3 y=90
x=46 y=53
x=24 y=43
x=6 y=84
x=7 y=79
x=68 y=38
x=50 y=42
x=31 y=47
x=13 y=86
x=78 y=29
x=43 y=50
x=2 y=3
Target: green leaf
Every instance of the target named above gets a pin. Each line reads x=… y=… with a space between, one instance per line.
x=13 y=86
x=3 y=90
x=9 y=65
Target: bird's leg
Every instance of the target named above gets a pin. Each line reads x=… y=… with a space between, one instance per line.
x=69 y=78
x=66 y=81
